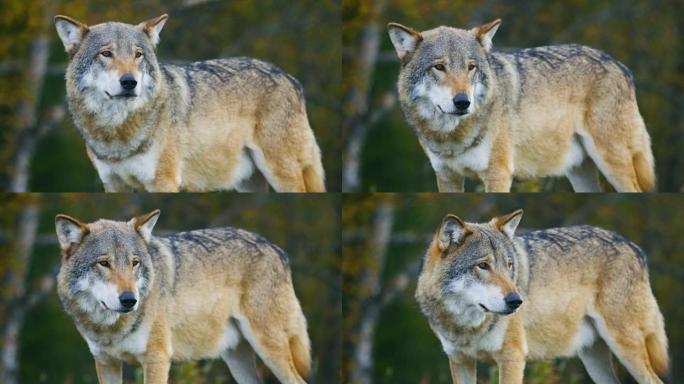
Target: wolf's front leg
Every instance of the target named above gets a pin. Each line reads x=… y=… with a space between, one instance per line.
x=511 y=371
x=463 y=370
x=449 y=181
x=108 y=372
x=156 y=372
x=497 y=179
x=167 y=174
x=511 y=358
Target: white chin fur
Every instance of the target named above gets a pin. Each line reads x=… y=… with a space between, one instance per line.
x=97 y=89
x=466 y=298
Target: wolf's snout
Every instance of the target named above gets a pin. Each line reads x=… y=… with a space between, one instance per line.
x=128 y=82
x=513 y=301
x=127 y=300
x=461 y=102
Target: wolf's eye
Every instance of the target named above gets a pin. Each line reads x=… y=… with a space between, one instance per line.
x=138 y=55
x=439 y=67
x=510 y=264
x=483 y=265
x=104 y=263
x=135 y=262
x=471 y=66
x=106 y=53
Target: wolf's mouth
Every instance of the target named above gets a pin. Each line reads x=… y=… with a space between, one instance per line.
x=498 y=313
x=456 y=113
x=123 y=310
x=126 y=95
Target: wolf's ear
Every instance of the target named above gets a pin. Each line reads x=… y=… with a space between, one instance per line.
x=145 y=223
x=71 y=32
x=453 y=230
x=485 y=33
x=404 y=39
x=152 y=27
x=508 y=223
x=69 y=232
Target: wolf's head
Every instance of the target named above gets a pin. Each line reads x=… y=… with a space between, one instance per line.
x=444 y=71
x=113 y=69
x=106 y=266
x=472 y=268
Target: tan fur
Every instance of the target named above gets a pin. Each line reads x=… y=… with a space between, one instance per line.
x=229 y=286
x=587 y=292
x=537 y=109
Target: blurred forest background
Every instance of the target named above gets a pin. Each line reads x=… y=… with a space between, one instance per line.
x=385 y=337
x=381 y=152
x=39 y=342
x=40 y=150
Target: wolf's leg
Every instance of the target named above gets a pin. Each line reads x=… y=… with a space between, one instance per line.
x=511 y=371
x=584 y=177
x=449 y=181
x=463 y=370
x=271 y=343
x=283 y=171
x=511 y=357
x=156 y=372
x=597 y=361
x=497 y=183
x=242 y=363
x=627 y=343
x=108 y=373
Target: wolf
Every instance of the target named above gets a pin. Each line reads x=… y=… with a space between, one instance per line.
x=491 y=294
x=192 y=295
x=204 y=126
x=547 y=111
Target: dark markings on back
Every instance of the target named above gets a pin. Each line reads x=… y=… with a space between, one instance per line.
x=568 y=237
x=208 y=240
x=555 y=56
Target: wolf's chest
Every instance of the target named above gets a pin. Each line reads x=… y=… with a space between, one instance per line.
x=474 y=158
x=135 y=171
x=479 y=346
x=119 y=347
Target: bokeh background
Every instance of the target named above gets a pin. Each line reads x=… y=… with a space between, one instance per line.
x=40 y=150
x=381 y=152
x=385 y=337
x=39 y=342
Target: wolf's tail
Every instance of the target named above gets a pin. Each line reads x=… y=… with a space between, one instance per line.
x=313 y=177
x=642 y=159
x=643 y=167
x=301 y=354
x=656 y=346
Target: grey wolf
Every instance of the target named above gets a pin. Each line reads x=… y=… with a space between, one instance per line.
x=204 y=126
x=192 y=295
x=546 y=111
x=493 y=295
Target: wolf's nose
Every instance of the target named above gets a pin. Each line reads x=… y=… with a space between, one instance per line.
x=513 y=300
x=127 y=299
x=128 y=82
x=461 y=101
